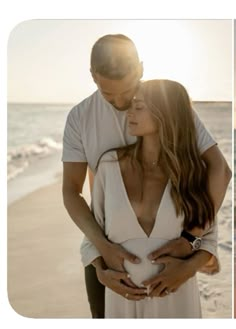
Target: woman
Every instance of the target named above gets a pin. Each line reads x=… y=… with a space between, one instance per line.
x=146 y=194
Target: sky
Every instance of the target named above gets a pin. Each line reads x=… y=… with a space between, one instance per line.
x=48 y=60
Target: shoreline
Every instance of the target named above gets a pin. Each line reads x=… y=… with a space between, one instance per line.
x=41 y=173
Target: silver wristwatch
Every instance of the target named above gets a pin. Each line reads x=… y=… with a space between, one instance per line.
x=194 y=241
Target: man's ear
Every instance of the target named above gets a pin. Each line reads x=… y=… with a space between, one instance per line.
x=140 y=69
x=93 y=75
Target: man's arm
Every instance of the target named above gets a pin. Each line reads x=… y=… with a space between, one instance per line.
x=74 y=174
x=219 y=175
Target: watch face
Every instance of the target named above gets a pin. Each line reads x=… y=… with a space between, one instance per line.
x=196 y=244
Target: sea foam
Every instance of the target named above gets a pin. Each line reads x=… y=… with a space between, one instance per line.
x=19 y=158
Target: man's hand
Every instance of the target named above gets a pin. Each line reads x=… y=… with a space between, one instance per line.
x=120 y=283
x=174 y=274
x=179 y=248
x=114 y=256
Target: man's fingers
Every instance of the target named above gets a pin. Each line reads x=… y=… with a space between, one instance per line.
x=134 y=297
x=132 y=291
x=137 y=291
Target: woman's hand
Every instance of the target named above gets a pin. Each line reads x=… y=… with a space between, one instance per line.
x=175 y=273
x=114 y=256
x=119 y=282
x=179 y=248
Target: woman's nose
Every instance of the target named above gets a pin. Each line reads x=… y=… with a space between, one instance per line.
x=130 y=112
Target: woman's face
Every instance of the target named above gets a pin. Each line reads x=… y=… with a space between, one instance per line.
x=141 y=122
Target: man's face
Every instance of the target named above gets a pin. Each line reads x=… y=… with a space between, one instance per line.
x=118 y=93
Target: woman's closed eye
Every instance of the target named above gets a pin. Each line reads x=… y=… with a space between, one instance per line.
x=138 y=108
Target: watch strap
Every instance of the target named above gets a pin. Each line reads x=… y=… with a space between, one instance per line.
x=188 y=236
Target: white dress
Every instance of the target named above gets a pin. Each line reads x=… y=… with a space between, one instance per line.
x=110 y=201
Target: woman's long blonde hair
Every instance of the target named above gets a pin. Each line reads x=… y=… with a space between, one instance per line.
x=170 y=104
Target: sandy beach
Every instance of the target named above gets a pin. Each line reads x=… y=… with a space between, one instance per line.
x=45 y=274
x=234 y=315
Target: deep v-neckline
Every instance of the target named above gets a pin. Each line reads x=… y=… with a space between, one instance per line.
x=130 y=205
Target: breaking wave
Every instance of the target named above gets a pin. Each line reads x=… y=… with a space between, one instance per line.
x=19 y=158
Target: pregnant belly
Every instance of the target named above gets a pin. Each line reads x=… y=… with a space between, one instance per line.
x=145 y=269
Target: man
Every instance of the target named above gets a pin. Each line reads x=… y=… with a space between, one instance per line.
x=98 y=124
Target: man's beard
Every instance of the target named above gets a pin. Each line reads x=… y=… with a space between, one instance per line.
x=123 y=108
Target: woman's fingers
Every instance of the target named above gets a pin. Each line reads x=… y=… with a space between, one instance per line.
x=115 y=255
x=179 y=247
x=116 y=281
x=164 y=250
x=129 y=282
x=131 y=293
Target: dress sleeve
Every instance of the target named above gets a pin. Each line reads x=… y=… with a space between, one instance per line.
x=87 y=250
x=209 y=243
x=204 y=138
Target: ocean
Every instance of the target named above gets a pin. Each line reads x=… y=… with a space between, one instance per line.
x=35 y=140
x=34 y=146
x=34 y=132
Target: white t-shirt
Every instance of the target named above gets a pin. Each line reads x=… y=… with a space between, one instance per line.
x=94 y=126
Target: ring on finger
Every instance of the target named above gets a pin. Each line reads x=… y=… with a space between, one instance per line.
x=126 y=295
